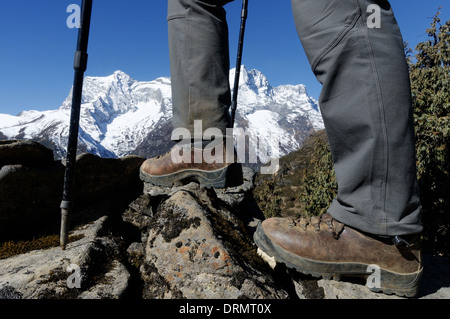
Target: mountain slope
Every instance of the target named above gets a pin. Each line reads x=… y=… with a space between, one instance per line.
x=304 y=185
x=121 y=116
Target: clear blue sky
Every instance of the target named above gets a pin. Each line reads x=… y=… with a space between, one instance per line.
x=37 y=47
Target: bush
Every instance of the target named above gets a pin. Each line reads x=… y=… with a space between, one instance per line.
x=305 y=185
x=430 y=87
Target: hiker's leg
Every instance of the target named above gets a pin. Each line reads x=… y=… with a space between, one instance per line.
x=199 y=59
x=366 y=107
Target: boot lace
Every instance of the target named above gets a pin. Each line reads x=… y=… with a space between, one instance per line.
x=320 y=223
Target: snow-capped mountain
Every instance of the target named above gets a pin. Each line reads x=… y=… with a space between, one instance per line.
x=121 y=116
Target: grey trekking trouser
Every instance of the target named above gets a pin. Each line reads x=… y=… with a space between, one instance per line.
x=365 y=99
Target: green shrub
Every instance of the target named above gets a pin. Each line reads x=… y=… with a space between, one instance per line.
x=430 y=87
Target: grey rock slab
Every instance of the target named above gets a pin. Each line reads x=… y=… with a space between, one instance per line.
x=57 y=273
x=194 y=250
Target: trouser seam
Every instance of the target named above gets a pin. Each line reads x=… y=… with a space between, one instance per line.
x=176 y=16
x=188 y=52
x=382 y=115
x=331 y=46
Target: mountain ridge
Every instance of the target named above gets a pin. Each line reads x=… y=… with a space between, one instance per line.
x=122 y=116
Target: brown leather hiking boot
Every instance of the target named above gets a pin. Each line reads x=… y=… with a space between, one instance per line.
x=194 y=164
x=323 y=247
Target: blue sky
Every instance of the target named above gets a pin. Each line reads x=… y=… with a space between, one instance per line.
x=37 y=47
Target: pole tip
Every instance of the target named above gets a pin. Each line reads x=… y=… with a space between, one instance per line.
x=64 y=234
x=63 y=244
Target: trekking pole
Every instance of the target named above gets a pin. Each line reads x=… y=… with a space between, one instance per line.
x=239 y=59
x=80 y=65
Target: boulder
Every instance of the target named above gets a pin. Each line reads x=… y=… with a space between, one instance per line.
x=194 y=246
x=24 y=152
x=89 y=268
x=31 y=186
x=30 y=199
x=98 y=177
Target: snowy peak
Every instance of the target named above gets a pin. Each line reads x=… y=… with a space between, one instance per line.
x=121 y=116
x=252 y=80
x=113 y=88
x=288 y=101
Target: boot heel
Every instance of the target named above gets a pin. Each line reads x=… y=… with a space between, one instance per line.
x=404 y=285
x=230 y=176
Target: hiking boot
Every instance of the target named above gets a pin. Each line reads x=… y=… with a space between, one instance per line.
x=173 y=169
x=323 y=247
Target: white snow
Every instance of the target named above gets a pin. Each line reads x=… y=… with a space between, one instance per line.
x=118 y=113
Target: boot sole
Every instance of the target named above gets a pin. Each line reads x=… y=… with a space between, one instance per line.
x=229 y=176
x=403 y=285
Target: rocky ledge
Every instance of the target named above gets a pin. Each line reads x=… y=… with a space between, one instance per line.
x=136 y=241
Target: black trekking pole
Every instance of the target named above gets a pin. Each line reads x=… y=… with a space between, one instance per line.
x=80 y=65
x=239 y=59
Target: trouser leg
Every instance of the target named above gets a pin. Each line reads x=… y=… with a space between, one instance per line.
x=366 y=107
x=199 y=59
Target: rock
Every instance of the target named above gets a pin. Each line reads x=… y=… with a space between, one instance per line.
x=436 y=278
x=97 y=177
x=31 y=186
x=196 y=247
x=30 y=199
x=435 y=284
x=94 y=266
x=346 y=290
x=22 y=152
x=142 y=241
x=112 y=285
